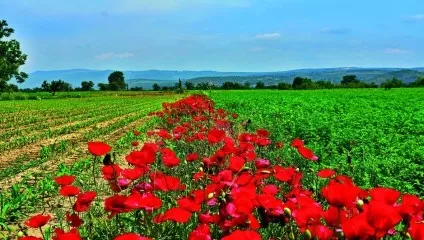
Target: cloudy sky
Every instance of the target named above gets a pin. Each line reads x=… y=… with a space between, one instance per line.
x=223 y=35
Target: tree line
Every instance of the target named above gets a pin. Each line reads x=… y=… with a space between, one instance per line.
x=299 y=83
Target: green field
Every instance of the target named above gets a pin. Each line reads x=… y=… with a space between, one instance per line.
x=381 y=131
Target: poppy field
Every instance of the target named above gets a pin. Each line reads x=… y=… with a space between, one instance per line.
x=220 y=165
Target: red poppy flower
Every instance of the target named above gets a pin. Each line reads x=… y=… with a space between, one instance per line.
x=177 y=214
x=416 y=230
x=69 y=191
x=284 y=174
x=165 y=183
x=65 y=180
x=358 y=228
x=234 y=115
x=84 y=201
x=98 y=148
x=116 y=204
x=333 y=193
x=192 y=157
x=216 y=135
x=201 y=232
x=131 y=236
x=189 y=204
x=111 y=172
x=147 y=201
x=320 y=232
x=169 y=158
x=386 y=195
x=307 y=153
x=297 y=143
x=30 y=238
x=382 y=217
x=38 y=221
x=136 y=133
x=73 y=234
x=262 y=133
x=326 y=173
x=74 y=220
x=236 y=163
x=135 y=143
x=243 y=235
x=133 y=174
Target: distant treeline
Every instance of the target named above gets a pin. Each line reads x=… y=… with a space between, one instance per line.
x=116 y=82
x=299 y=83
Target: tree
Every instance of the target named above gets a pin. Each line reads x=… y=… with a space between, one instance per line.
x=350 y=79
x=11 y=57
x=302 y=83
x=117 y=81
x=283 y=86
x=189 y=85
x=156 y=87
x=179 y=86
x=260 y=85
x=56 y=86
x=246 y=85
x=103 y=86
x=419 y=82
x=136 y=89
x=46 y=86
x=87 y=86
x=392 y=83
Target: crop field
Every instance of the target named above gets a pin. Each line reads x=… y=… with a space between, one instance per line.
x=324 y=164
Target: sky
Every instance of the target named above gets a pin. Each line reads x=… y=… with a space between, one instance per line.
x=221 y=35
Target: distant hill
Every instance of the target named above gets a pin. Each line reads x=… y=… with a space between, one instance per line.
x=406 y=75
x=334 y=75
x=146 y=79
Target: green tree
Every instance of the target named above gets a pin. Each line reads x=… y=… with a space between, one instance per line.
x=392 y=83
x=117 y=81
x=302 y=83
x=56 y=86
x=87 y=85
x=283 y=86
x=419 y=82
x=156 y=87
x=46 y=86
x=179 y=86
x=260 y=85
x=103 y=86
x=11 y=57
x=189 y=85
x=246 y=85
x=349 y=79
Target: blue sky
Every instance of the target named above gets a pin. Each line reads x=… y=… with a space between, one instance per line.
x=223 y=35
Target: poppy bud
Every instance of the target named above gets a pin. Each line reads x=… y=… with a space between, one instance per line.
x=210 y=195
x=291 y=236
x=287 y=212
x=308 y=234
x=20 y=234
x=201 y=169
x=359 y=204
x=340 y=233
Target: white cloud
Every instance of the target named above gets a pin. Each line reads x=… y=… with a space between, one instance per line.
x=268 y=36
x=395 y=51
x=108 y=56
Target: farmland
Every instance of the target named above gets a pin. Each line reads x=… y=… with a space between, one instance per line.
x=376 y=137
